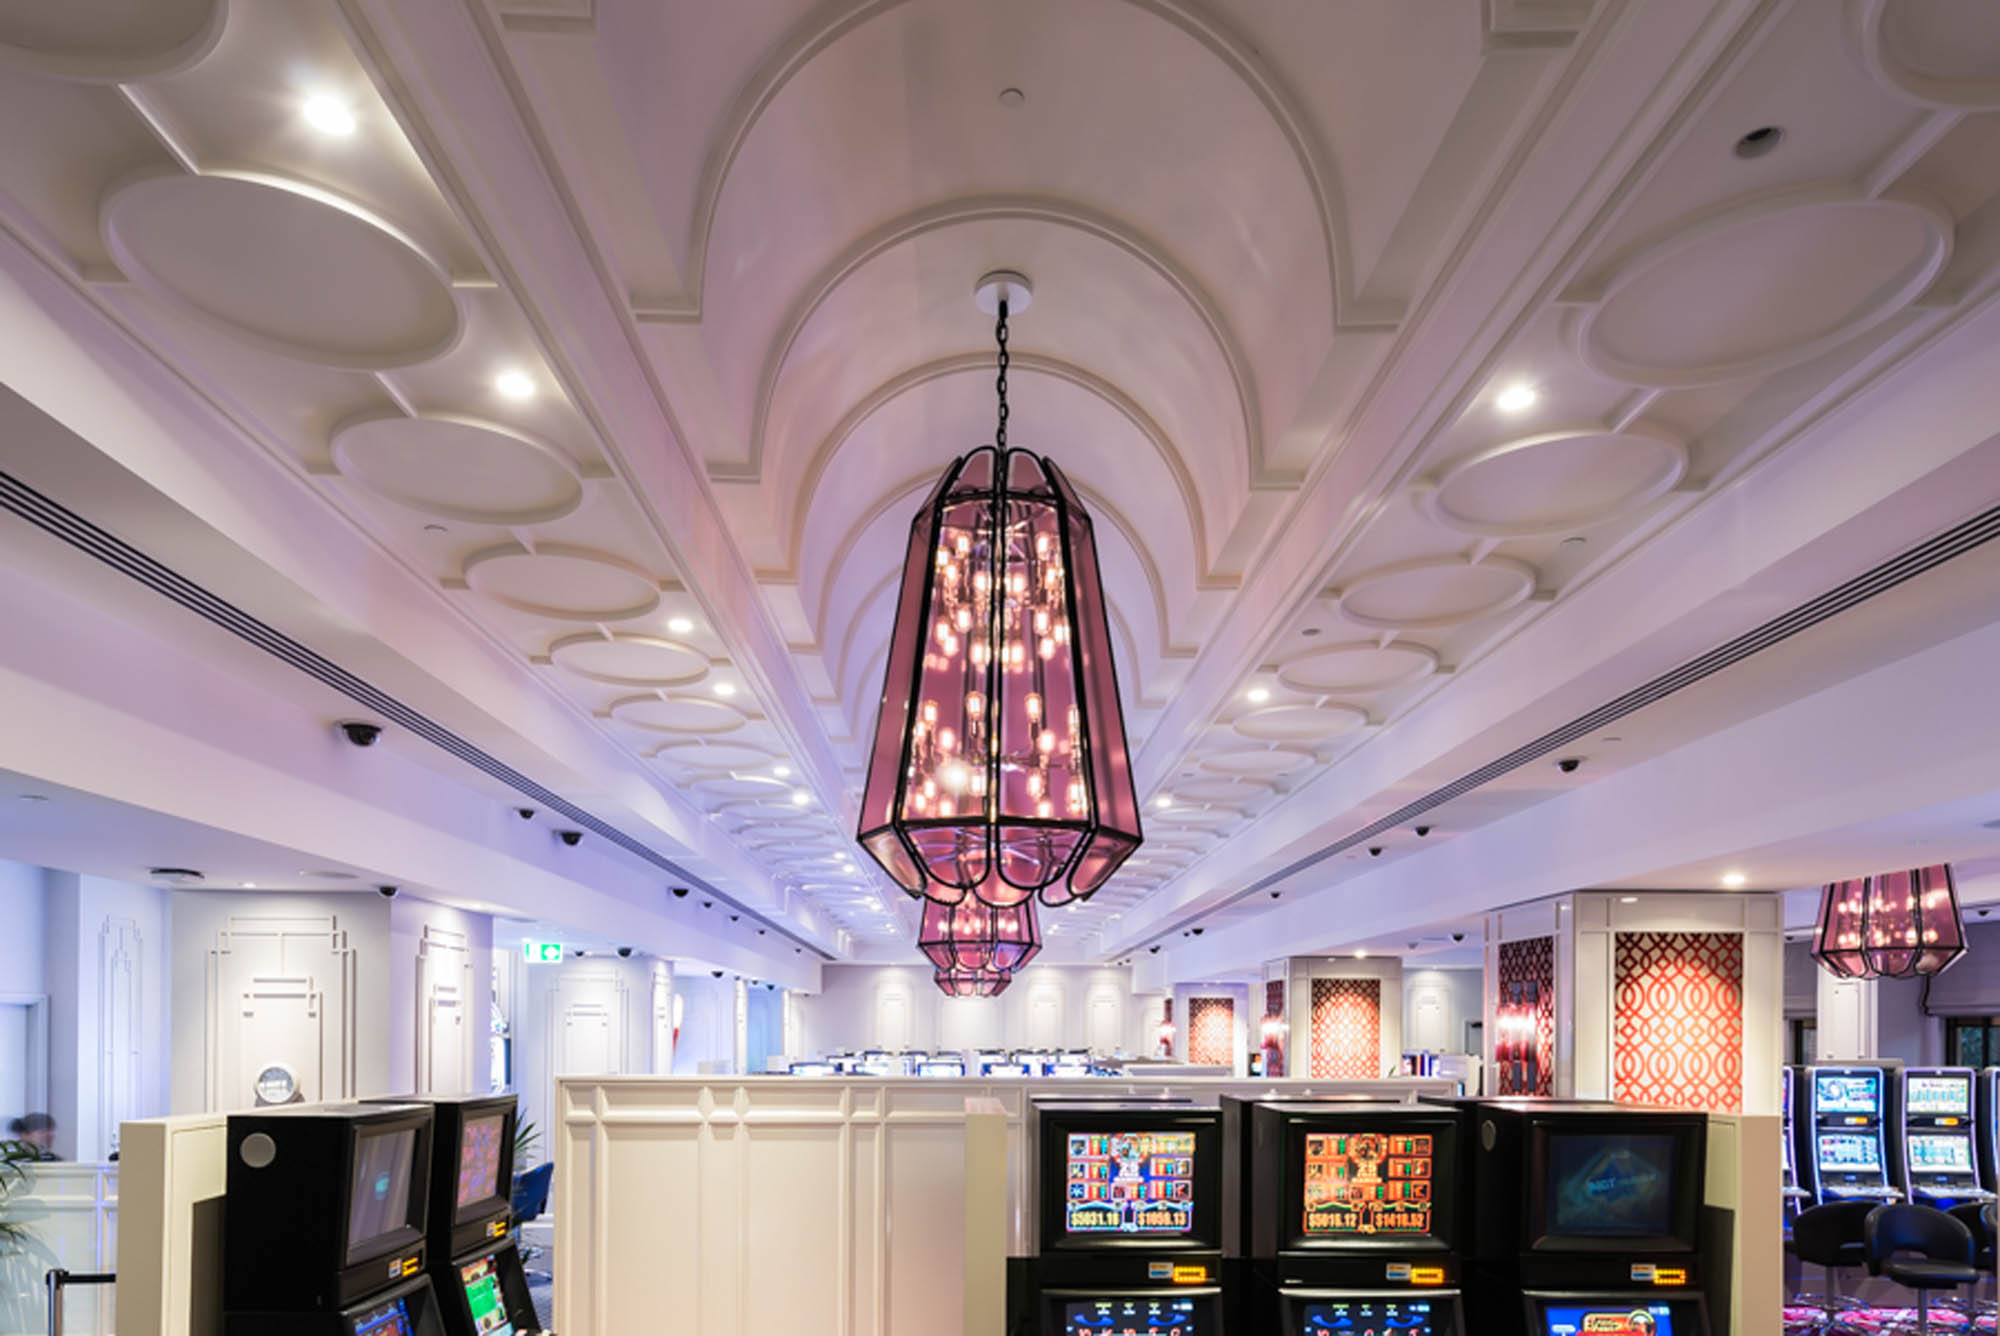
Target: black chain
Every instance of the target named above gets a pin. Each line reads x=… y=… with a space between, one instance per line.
x=1000 y=333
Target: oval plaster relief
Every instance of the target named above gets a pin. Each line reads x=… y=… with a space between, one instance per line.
x=1358 y=666
x=626 y=659
x=108 y=41
x=1558 y=482
x=1435 y=592
x=458 y=468
x=566 y=583
x=678 y=714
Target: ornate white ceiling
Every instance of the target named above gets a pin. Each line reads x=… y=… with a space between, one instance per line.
x=638 y=330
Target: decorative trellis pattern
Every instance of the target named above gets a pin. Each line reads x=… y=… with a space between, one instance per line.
x=1274 y=1017
x=1677 y=1020
x=1528 y=968
x=1212 y=1030
x=1346 y=1028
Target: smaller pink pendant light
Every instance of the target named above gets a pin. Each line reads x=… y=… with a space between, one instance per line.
x=973 y=983
x=1894 y=925
x=973 y=935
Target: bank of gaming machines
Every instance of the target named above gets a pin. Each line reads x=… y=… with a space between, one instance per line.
x=323 y=1225
x=1586 y=1219
x=376 y=1219
x=1940 y=1151
x=1129 y=1218
x=1350 y=1218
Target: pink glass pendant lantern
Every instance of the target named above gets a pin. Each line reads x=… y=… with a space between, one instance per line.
x=973 y=935
x=1894 y=925
x=999 y=765
x=973 y=983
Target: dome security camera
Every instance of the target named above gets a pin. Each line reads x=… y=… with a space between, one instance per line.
x=1423 y=831
x=1374 y=851
x=680 y=892
x=359 y=731
x=716 y=973
x=708 y=904
x=525 y=813
x=386 y=892
x=1568 y=764
x=1154 y=949
x=1197 y=932
x=1458 y=937
x=570 y=837
x=578 y=953
x=1276 y=894
x=735 y=918
x=624 y=953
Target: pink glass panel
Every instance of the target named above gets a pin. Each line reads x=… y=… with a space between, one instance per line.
x=1896 y=924
x=973 y=935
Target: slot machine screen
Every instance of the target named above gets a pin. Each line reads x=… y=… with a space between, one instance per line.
x=1849 y=1152
x=480 y=1149
x=1005 y=1069
x=1134 y=1315
x=484 y=1300
x=1358 y=1183
x=1940 y=1154
x=1369 y=1317
x=812 y=1069
x=1130 y=1182
x=389 y=1319
x=380 y=1201
x=1847 y=1092
x=1945 y=1096
x=1609 y=1319
x=1609 y=1186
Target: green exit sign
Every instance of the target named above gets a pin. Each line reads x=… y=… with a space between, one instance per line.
x=542 y=953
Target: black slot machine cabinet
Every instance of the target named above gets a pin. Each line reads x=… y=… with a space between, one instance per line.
x=1940 y=1160
x=475 y=1267
x=1795 y=1190
x=1128 y=1216
x=324 y=1222
x=1353 y=1214
x=1850 y=1133
x=1586 y=1218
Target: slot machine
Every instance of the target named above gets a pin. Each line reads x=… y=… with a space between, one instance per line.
x=324 y=1218
x=1940 y=1161
x=1128 y=1215
x=482 y=1289
x=1351 y=1217
x=1796 y=1195
x=1586 y=1218
x=1847 y=1133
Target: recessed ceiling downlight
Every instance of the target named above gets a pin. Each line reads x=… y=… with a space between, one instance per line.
x=174 y=876
x=328 y=114
x=1759 y=141
x=328 y=874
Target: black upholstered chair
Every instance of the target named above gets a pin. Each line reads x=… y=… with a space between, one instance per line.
x=1978 y=1218
x=1831 y=1237
x=1920 y=1248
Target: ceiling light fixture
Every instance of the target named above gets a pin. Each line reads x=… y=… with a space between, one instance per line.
x=329 y=114
x=1893 y=925
x=1516 y=398
x=785 y=772
x=515 y=384
x=800 y=797
x=248 y=885
x=1164 y=801
x=1257 y=695
x=1733 y=880
x=680 y=626
x=725 y=688
x=1361 y=953
x=1000 y=674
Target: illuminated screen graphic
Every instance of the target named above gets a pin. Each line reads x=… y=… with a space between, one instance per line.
x=391 y=1319
x=1369 y=1317
x=482 y=1299
x=381 y=1191
x=1847 y=1094
x=479 y=1158
x=1136 y=1316
x=1848 y=1152
x=1940 y=1154
x=1945 y=1095
x=1130 y=1183
x=1613 y=1320
x=1367 y=1183
x=1603 y=1186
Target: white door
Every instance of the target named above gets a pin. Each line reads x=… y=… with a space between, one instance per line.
x=586 y=1042
x=1105 y=1027
x=1045 y=1018
x=1430 y=1020
x=892 y=1019
x=14 y=1061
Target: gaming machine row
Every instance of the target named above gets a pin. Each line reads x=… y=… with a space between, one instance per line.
x=1331 y=1217
x=1884 y=1132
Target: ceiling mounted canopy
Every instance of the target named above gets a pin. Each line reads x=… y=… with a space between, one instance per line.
x=999 y=767
x=1894 y=925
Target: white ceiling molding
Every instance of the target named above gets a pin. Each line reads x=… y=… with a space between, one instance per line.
x=458 y=468
x=1761 y=284
x=705 y=755
x=103 y=41
x=678 y=712
x=284 y=266
x=1429 y=593
x=1556 y=482
x=1936 y=55
x=629 y=659
x=562 y=582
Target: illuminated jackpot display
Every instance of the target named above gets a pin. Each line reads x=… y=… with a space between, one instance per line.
x=1365 y=1183
x=1130 y=1183
x=1134 y=1316
x=1610 y=1320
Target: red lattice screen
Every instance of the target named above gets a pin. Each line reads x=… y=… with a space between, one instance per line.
x=1346 y=1028
x=1274 y=1036
x=1527 y=966
x=1677 y=1020
x=1212 y=1030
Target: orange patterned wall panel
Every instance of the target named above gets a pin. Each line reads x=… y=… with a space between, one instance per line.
x=1346 y=1028
x=1212 y=1030
x=1677 y=1020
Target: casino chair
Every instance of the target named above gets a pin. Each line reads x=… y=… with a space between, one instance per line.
x=530 y=1199
x=1831 y=1237
x=1979 y=1218
x=1943 y=1248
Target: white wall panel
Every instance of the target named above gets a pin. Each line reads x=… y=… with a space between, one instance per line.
x=899 y=1006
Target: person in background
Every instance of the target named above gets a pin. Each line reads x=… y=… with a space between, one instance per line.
x=38 y=1130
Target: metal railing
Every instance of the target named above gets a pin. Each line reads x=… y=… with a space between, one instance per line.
x=59 y=1280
